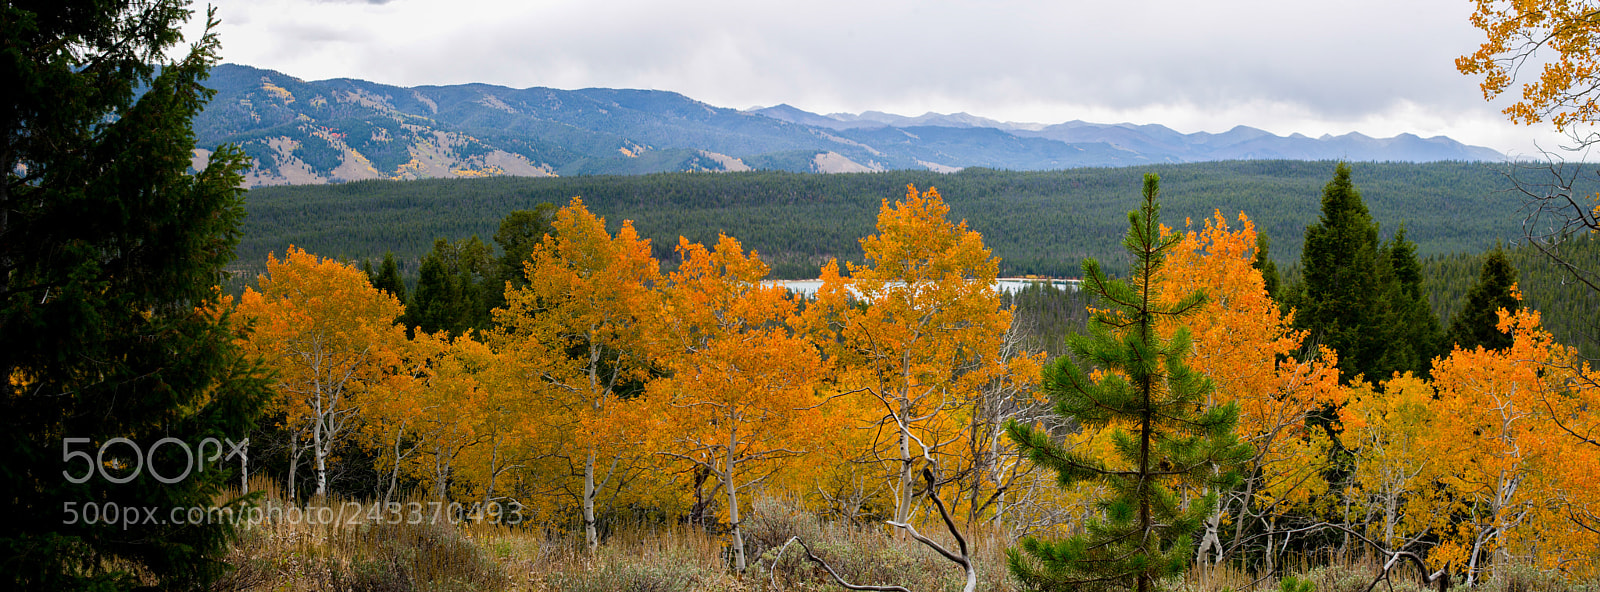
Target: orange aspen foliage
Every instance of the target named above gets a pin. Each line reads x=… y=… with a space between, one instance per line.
x=1558 y=35
x=1248 y=348
x=913 y=334
x=1515 y=476
x=443 y=423
x=576 y=336
x=1570 y=396
x=740 y=397
x=332 y=339
x=393 y=417
x=500 y=432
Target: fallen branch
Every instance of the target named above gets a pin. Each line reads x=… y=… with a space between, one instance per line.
x=1442 y=576
x=825 y=567
x=964 y=559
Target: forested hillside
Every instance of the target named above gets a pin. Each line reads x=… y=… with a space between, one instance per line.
x=1041 y=222
x=1568 y=308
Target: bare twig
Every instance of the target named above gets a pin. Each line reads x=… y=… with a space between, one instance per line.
x=1442 y=576
x=825 y=567
x=964 y=559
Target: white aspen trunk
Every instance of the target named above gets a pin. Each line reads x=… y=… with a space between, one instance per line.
x=1391 y=506
x=1472 y=560
x=318 y=450
x=589 y=492
x=322 y=471
x=319 y=419
x=441 y=471
x=1213 y=526
x=394 y=473
x=1270 y=565
x=902 y=510
x=295 y=450
x=1211 y=539
x=244 y=467
x=733 y=502
x=589 y=489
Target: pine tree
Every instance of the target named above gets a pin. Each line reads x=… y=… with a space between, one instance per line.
x=1411 y=330
x=1339 y=300
x=433 y=305
x=1476 y=324
x=1360 y=297
x=109 y=324
x=453 y=287
x=387 y=278
x=1155 y=408
x=1269 y=270
x=520 y=231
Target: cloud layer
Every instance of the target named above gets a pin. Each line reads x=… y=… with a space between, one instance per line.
x=1374 y=66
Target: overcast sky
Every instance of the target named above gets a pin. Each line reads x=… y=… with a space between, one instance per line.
x=1379 y=67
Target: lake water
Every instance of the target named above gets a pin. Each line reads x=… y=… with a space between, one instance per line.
x=809 y=287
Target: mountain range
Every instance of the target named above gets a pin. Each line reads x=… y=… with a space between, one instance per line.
x=344 y=129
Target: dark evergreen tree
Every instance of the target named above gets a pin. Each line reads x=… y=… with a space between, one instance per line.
x=453 y=287
x=434 y=305
x=1477 y=323
x=520 y=231
x=1175 y=438
x=1340 y=295
x=109 y=254
x=1269 y=270
x=1411 y=330
x=387 y=278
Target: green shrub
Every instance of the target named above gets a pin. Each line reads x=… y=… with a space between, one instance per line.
x=1294 y=584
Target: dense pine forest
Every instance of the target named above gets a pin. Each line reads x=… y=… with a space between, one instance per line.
x=1040 y=223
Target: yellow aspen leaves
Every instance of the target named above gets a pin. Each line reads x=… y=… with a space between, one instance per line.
x=578 y=335
x=606 y=384
x=923 y=340
x=739 y=399
x=332 y=339
x=1559 y=36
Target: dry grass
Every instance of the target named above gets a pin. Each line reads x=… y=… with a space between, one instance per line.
x=283 y=556
x=353 y=555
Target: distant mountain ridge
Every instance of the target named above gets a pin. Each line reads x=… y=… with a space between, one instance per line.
x=339 y=130
x=1163 y=144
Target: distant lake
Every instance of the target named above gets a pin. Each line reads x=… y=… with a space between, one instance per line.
x=809 y=287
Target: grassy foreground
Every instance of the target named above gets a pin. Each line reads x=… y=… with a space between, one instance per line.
x=355 y=556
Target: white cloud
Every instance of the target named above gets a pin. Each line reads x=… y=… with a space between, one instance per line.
x=1375 y=66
